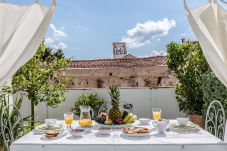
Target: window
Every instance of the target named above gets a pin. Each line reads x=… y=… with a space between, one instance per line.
x=99 y=83
x=159 y=80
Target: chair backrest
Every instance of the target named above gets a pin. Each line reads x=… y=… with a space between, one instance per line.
x=11 y=125
x=215 y=119
x=225 y=137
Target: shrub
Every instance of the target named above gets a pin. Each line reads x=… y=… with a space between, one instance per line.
x=188 y=63
x=88 y=100
x=213 y=89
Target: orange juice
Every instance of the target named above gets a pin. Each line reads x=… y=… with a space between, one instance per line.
x=68 y=120
x=85 y=122
x=156 y=115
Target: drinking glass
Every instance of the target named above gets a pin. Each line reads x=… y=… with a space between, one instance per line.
x=156 y=113
x=68 y=119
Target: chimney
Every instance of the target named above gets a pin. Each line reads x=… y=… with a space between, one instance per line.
x=119 y=49
x=183 y=40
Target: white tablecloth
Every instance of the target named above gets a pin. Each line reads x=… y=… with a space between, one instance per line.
x=171 y=141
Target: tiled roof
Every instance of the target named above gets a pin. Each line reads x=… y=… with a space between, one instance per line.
x=119 y=63
x=129 y=56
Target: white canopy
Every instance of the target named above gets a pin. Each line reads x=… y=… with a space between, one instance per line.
x=22 y=29
x=209 y=23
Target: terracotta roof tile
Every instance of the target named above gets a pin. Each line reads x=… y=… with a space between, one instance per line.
x=119 y=63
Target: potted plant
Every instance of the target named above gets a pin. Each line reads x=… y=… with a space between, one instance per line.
x=188 y=63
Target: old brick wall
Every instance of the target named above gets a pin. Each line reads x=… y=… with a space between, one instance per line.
x=124 y=77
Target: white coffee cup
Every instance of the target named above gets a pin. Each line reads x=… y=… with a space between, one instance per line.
x=144 y=121
x=51 y=122
x=182 y=120
x=161 y=125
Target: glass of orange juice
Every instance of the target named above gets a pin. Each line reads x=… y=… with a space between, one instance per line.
x=85 y=122
x=68 y=119
x=156 y=113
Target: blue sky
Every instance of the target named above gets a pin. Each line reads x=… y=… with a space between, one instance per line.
x=85 y=29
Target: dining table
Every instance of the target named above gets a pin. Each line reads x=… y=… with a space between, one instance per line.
x=117 y=141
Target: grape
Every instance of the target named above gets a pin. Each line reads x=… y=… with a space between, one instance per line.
x=118 y=121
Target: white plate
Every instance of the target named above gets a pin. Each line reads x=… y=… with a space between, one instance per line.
x=104 y=132
x=114 y=126
x=137 y=135
x=45 y=127
x=40 y=129
x=53 y=138
x=190 y=128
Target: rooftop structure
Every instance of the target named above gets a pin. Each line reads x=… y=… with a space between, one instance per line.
x=123 y=70
x=128 y=61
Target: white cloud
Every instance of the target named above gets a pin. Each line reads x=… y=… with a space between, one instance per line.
x=55 y=40
x=144 y=33
x=156 y=53
x=49 y=40
x=61 y=45
x=55 y=44
x=57 y=32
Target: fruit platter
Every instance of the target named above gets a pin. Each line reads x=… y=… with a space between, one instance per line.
x=104 y=120
x=115 y=116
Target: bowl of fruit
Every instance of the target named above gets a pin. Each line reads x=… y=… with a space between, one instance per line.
x=104 y=120
x=115 y=115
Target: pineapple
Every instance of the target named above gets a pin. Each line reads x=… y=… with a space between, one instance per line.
x=115 y=112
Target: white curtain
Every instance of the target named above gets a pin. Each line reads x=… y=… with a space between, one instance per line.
x=22 y=29
x=209 y=24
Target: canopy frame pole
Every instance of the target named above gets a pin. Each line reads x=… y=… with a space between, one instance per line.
x=37 y=1
x=223 y=1
x=211 y=1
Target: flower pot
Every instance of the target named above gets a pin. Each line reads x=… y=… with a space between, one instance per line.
x=1 y=148
x=197 y=119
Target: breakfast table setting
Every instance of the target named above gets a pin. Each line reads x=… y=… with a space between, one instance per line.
x=129 y=133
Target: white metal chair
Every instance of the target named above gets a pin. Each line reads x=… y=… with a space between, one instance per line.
x=11 y=125
x=215 y=119
x=225 y=137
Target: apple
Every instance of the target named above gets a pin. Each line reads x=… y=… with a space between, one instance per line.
x=103 y=115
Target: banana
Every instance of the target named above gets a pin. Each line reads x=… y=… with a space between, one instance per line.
x=127 y=118
x=131 y=120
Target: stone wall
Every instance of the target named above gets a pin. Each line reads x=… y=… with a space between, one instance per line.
x=155 y=76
